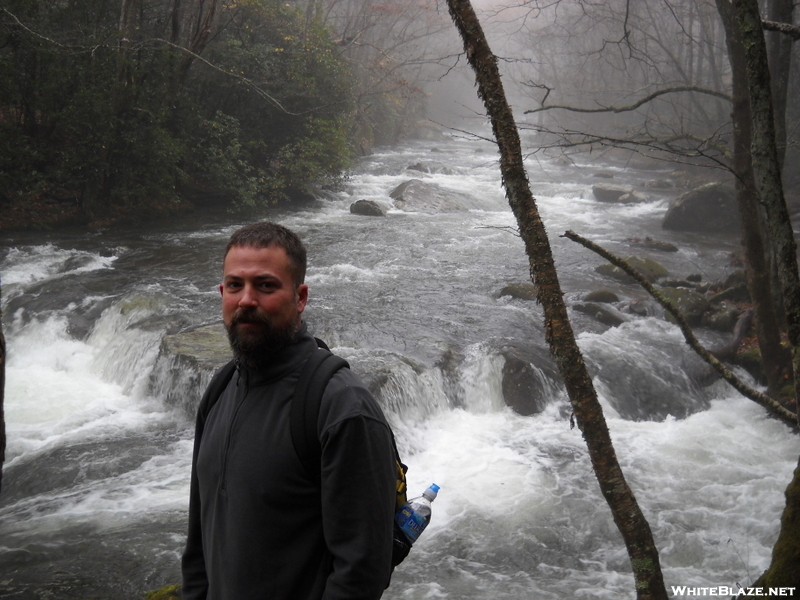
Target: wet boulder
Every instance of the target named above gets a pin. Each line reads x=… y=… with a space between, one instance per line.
x=610 y=192
x=647 y=267
x=709 y=208
x=430 y=167
x=722 y=317
x=416 y=195
x=735 y=293
x=659 y=184
x=690 y=304
x=521 y=291
x=603 y=295
x=205 y=347
x=602 y=313
x=641 y=308
x=185 y=364
x=367 y=208
x=632 y=197
x=522 y=386
x=651 y=244
x=677 y=283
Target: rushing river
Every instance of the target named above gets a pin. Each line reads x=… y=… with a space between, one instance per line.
x=96 y=481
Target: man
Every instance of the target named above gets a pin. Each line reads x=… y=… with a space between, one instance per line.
x=259 y=527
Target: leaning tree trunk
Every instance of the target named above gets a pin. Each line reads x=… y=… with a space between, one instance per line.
x=588 y=412
x=768 y=172
x=759 y=282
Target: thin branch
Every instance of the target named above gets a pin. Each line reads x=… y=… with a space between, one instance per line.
x=771 y=405
x=637 y=104
x=580 y=139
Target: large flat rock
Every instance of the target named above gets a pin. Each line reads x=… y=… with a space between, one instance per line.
x=205 y=347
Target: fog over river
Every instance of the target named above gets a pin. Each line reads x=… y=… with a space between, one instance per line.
x=96 y=483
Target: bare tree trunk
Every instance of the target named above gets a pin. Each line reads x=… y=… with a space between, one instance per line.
x=2 y=396
x=757 y=268
x=200 y=37
x=784 y=571
x=768 y=172
x=779 y=52
x=588 y=412
x=175 y=22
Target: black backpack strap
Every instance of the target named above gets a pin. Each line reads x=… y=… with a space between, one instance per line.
x=314 y=378
x=216 y=386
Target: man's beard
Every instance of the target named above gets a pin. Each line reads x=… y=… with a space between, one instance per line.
x=259 y=347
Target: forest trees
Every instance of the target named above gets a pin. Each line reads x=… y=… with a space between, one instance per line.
x=116 y=104
x=687 y=69
x=393 y=47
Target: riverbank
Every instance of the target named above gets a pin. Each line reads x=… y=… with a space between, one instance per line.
x=55 y=211
x=42 y=213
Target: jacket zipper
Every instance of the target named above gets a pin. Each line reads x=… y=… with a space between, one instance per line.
x=229 y=435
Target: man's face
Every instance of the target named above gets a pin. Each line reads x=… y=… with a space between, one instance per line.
x=261 y=306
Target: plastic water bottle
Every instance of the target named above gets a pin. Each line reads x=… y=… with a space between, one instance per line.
x=415 y=515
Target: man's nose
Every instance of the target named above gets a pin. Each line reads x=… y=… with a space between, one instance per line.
x=248 y=297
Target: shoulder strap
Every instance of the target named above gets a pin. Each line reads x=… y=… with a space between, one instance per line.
x=217 y=385
x=314 y=378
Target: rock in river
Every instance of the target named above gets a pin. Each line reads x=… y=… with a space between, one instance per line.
x=416 y=195
x=711 y=207
x=367 y=208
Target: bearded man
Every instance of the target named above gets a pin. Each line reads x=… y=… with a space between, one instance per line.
x=260 y=528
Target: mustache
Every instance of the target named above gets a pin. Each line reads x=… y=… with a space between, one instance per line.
x=249 y=315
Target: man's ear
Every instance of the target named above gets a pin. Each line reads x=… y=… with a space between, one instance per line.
x=220 y=289
x=302 y=297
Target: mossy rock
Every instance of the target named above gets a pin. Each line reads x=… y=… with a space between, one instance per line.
x=647 y=267
x=722 y=318
x=170 y=592
x=690 y=304
x=750 y=361
x=737 y=293
x=204 y=347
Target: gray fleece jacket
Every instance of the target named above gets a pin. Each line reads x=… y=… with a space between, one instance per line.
x=259 y=528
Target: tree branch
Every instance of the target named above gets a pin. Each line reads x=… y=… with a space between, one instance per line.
x=771 y=405
x=637 y=104
x=793 y=31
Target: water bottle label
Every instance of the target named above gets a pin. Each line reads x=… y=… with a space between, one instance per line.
x=410 y=523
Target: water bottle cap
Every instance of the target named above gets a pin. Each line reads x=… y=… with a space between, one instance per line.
x=431 y=492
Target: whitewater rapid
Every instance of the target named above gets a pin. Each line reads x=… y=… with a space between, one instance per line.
x=97 y=470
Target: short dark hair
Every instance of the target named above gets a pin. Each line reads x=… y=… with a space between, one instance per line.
x=265 y=234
